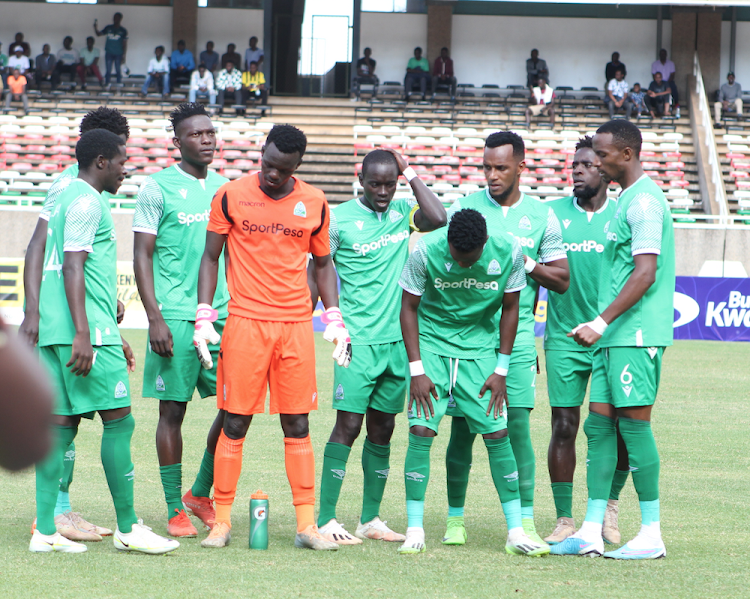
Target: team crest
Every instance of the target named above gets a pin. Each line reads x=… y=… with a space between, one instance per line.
x=300 y=210
x=339 y=393
x=448 y=266
x=566 y=223
x=606 y=227
x=121 y=390
x=360 y=224
x=395 y=216
x=183 y=193
x=493 y=268
x=160 y=384
x=524 y=223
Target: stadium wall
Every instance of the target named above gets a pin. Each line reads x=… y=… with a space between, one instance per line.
x=393 y=37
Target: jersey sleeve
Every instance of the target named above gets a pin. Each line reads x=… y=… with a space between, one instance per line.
x=646 y=217
x=81 y=222
x=453 y=208
x=220 y=221
x=517 y=279
x=320 y=238
x=149 y=208
x=414 y=276
x=551 y=246
x=60 y=185
x=333 y=234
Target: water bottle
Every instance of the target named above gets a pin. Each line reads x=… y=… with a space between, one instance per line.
x=259 y=520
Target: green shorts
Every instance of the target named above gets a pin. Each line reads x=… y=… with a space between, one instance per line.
x=175 y=378
x=567 y=376
x=106 y=386
x=458 y=382
x=626 y=376
x=378 y=378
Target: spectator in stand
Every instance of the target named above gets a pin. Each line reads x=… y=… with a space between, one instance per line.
x=254 y=86
x=89 y=64
x=366 y=74
x=229 y=81
x=617 y=95
x=253 y=54
x=658 y=96
x=116 y=47
x=614 y=65
x=541 y=102
x=729 y=99
x=442 y=73
x=19 y=43
x=202 y=85
x=637 y=98
x=44 y=67
x=210 y=58
x=183 y=65
x=667 y=70
x=417 y=70
x=231 y=56
x=158 y=72
x=536 y=68
x=17 y=90
x=67 y=60
x=19 y=61
x=3 y=62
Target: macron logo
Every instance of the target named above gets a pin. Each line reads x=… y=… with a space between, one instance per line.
x=360 y=224
x=448 y=266
x=183 y=193
x=566 y=223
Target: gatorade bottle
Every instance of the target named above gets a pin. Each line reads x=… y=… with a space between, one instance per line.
x=259 y=520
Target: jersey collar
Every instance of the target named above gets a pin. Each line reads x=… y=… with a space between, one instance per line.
x=602 y=209
x=87 y=184
x=370 y=210
x=498 y=205
x=622 y=191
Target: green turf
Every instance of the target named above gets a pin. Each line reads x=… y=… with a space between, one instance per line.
x=701 y=425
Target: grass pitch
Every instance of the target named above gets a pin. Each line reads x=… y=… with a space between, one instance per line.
x=701 y=424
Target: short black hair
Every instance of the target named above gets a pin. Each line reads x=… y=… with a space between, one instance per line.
x=118 y=14
x=504 y=138
x=66 y=38
x=443 y=48
x=253 y=62
x=159 y=48
x=418 y=48
x=91 y=37
x=378 y=157
x=110 y=119
x=288 y=139
x=467 y=230
x=95 y=143
x=585 y=142
x=624 y=135
x=181 y=42
x=185 y=111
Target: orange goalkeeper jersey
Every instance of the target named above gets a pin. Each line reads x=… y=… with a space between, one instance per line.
x=268 y=242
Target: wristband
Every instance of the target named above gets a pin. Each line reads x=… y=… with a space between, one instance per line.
x=529 y=264
x=416 y=368
x=503 y=363
x=206 y=312
x=409 y=173
x=598 y=325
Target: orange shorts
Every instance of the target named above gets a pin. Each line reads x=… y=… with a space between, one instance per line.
x=256 y=354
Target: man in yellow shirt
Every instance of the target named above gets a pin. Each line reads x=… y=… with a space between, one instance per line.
x=254 y=86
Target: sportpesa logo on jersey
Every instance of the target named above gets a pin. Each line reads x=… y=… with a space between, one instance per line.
x=273 y=229
x=364 y=248
x=467 y=283
x=586 y=245
x=189 y=219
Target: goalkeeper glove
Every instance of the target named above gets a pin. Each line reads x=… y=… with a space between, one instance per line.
x=205 y=333
x=336 y=333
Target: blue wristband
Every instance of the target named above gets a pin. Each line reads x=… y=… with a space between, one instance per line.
x=503 y=363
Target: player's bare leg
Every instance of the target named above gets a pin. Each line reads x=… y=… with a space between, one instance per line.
x=561 y=461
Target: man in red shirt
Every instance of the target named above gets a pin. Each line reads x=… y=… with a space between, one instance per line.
x=442 y=73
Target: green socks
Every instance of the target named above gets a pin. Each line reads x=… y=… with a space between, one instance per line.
x=618 y=482
x=118 y=467
x=335 y=457
x=563 y=496
x=171 y=480
x=601 y=456
x=416 y=475
x=644 y=461
x=48 y=474
x=505 y=477
x=458 y=464
x=376 y=466
x=63 y=497
x=519 y=433
x=205 y=478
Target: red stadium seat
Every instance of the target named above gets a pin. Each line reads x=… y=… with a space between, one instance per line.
x=245 y=165
x=735 y=174
x=735 y=155
x=8 y=156
x=475 y=179
x=21 y=166
x=150 y=170
x=651 y=164
x=48 y=166
x=35 y=157
x=679 y=183
x=37 y=149
x=674 y=174
x=675 y=165
x=552 y=180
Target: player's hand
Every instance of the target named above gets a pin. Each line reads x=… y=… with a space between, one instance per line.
x=129 y=355
x=205 y=333
x=81 y=355
x=336 y=333
x=29 y=330
x=584 y=335
x=499 y=394
x=161 y=338
x=402 y=161
x=120 y=311
x=422 y=390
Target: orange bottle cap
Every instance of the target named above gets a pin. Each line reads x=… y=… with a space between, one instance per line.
x=259 y=495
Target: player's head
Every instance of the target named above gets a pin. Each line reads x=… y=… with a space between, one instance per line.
x=467 y=234
x=617 y=145
x=110 y=119
x=379 y=178
x=194 y=133
x=282 y=155
x=504 y=155
x=587 y=179
x=101 y=155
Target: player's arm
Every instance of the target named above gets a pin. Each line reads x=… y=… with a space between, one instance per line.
x=312 y=283
x=82 y=354
x=552 y=271
x=32 y=282
x=336 y=332
x=205 y=315
x=143 y=266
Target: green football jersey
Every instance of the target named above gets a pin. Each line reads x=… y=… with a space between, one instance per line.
x=60 y=184
x=642 y=224
x=80 y=222
x=458 y=312
x=175 y=207
x=535 y=226
x=583 y=239
x=370 y=249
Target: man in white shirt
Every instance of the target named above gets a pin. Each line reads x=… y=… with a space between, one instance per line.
x=667 y=70
x=158 y=72
x=202 y=85
x=89 y=64
x=541 y=101
x=67 y=59
x=229 y=81
x=19 y=61
x=617 y=96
